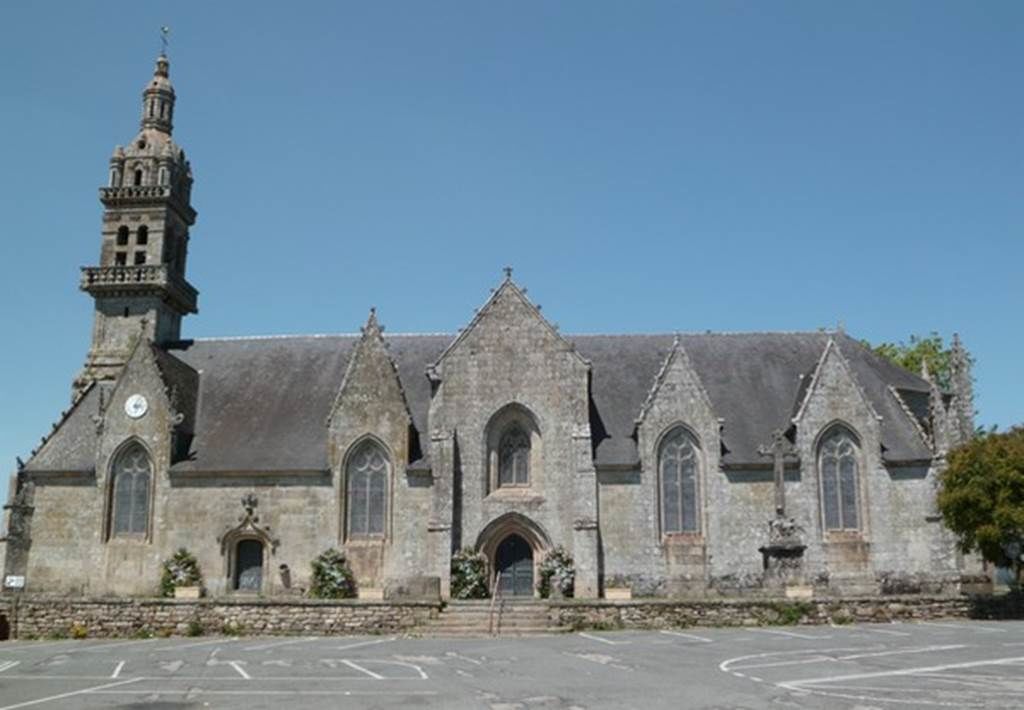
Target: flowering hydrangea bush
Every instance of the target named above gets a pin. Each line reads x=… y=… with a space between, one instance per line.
x=332 y=578
x=180 y=570
x=557 y=575
x=469 y=575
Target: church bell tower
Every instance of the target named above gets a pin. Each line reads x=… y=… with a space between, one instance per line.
x=139 y=286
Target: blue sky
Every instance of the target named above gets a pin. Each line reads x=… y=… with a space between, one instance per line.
x=644 y=166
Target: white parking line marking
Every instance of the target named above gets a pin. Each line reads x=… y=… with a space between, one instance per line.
x=117 y=671
x=358 y=667
x=7 y=665
x=241 y=671
x=795 y=662
x=887 y=632
x=194 y=645
x=73 y=693
x=963 y=627
x=104 y=646
x=289 y=693
x=694 y=637
x=275 y=644
x=793 y=634
x=365 y=643
x=797 y=684
x=920 y=649
x=598 y=638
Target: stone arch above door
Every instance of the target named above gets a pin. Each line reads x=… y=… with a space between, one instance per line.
x=504 y=526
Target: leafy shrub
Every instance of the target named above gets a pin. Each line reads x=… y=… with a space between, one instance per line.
x=790 y=613
x=78 y=631
x=557 y=575
x=469 y=575
x=332 y=578
x=195 y=628
x=180 y=570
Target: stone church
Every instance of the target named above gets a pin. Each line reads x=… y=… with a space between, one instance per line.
x=665 y=464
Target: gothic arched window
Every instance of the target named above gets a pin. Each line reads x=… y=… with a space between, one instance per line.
x=132 y=473
x=514 y=458
x=367 y=486
x=122 y=236
x=838 y=465
x=678 y=463
x=142 y=236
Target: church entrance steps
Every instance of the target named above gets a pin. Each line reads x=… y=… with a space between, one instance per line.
x=506 y=618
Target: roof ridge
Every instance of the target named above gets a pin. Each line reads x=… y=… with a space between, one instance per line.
x=286 y=336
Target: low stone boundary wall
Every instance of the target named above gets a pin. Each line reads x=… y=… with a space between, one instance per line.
x=659 y=614
x=45 y=617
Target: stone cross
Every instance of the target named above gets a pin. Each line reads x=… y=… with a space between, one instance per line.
x=779 y=449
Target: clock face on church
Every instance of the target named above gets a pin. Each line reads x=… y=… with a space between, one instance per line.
x=136 y=406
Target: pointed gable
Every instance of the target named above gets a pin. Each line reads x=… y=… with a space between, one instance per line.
x=507 y=304
x=834 y=382
x=371 y=376
x=680 y=383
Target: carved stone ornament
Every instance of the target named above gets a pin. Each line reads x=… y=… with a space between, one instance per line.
x=248 y=527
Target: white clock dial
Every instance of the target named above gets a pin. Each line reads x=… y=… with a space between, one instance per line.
x=136 y=406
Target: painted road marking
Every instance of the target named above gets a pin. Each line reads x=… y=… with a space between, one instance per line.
x=961 y=627
x=919 y=649
x=358 y=667
x=117 y=670
x=104 y=646
x=179 y=647
x=286 y=693
x=607 y=641
x=793 y=634
x=275 y=644
x=6 y=665
x=73 y=693
x=887 y=632
x=693 y=637
x=241 y=671
x=366 y=643
x=797 y=684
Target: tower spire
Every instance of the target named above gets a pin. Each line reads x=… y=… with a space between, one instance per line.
x=962 y=385
x=158 y=98
x=140 y=280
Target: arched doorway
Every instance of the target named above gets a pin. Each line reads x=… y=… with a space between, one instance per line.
x=249 y=566
x=513 y=560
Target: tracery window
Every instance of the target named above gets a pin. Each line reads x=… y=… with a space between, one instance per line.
x=838 y=464
x=514 y=458
x=678 y=462
x=132 y=472
x=366 y=474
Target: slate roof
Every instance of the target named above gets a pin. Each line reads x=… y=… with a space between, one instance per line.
x=262 y=403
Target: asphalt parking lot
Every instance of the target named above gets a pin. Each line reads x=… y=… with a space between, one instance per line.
x=962 y=664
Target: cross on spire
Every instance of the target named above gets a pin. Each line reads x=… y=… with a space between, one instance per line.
x=165 y=31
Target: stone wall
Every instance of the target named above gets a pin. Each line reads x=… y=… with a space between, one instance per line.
x=47 y=617
x=659 y=614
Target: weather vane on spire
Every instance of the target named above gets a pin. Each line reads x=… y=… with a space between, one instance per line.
x=164 y=32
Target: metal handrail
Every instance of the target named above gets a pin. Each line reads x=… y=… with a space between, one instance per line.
x=494 y=600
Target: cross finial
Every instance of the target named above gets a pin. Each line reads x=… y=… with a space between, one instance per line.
x=508 y=272
x=164 y=32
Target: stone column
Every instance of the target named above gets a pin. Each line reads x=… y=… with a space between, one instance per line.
x=439 y=526
x=585 y=529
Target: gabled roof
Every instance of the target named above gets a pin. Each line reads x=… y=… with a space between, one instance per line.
x=263 y=402
x=71 y=446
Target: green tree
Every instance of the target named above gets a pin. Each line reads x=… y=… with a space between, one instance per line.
x=982 y=498
x=909 y=355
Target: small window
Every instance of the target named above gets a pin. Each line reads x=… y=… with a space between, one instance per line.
x=120 y=258
x=142 y=236
x=138 y=178
x=115 y=177
x=514 y=458
x=140 y=258
x=122 y=236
